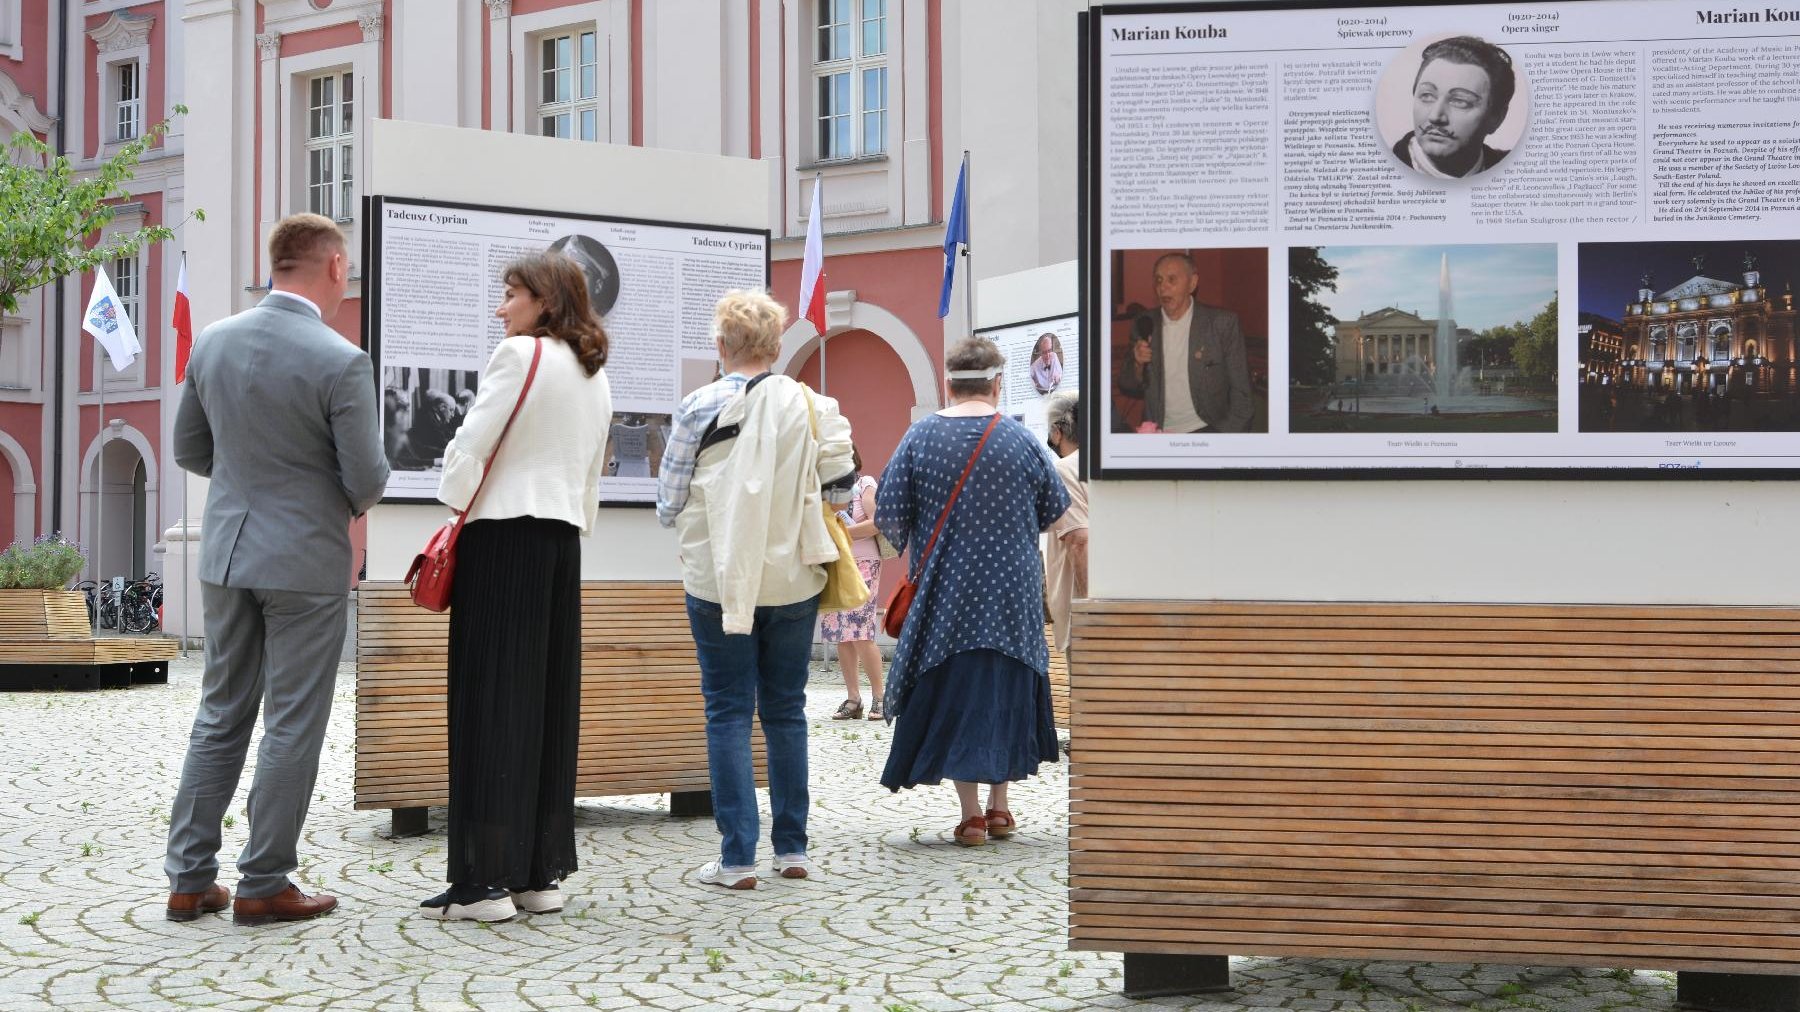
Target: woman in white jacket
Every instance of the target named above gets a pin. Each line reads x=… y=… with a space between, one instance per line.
x=515 y=608
x=740 y=483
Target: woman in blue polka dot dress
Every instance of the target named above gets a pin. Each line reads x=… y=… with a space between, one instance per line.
x=968 y=691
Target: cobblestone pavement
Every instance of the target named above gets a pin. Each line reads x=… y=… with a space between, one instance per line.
x=899 y=920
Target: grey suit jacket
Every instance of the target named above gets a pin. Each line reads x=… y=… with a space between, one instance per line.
x=281 y=413
x=1218 y=371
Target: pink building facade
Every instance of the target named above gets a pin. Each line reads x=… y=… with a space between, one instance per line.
x=866 y=96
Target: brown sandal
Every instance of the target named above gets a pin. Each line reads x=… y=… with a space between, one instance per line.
x=972 y=832
x=1000 y=823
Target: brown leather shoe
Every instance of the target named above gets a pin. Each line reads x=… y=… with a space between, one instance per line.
x=189 y=906
x=288 y=905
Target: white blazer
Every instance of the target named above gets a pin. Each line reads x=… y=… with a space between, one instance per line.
x=550 y=465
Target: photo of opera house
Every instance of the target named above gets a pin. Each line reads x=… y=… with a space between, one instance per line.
x=1714 y=352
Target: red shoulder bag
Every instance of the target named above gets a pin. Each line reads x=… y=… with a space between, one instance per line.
x=901 y=603
x=433 y=569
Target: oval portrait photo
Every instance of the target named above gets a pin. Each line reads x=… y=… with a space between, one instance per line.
x=1046 y=363
x=596 y=261
x=1452 y=107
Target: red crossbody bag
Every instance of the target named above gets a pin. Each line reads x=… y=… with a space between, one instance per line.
x=901 y=603
x=433 y=569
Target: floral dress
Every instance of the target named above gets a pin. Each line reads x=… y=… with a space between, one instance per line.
x=857 y=624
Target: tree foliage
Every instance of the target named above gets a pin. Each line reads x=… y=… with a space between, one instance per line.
x=1311 y=358
x=48 y=214
x=1534 y=347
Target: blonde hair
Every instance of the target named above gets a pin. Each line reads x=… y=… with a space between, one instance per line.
x=300 y=240
x=748 y=323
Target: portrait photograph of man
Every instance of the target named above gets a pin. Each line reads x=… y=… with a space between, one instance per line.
x=1190 y=341
x=1451 y=108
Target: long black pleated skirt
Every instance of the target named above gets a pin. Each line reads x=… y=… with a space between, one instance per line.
x=515 y=702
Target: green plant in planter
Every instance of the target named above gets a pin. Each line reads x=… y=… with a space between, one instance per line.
x=48 y=563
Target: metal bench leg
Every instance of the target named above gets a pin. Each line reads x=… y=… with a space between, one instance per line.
x=411 y=822
x=690 y=804
x=1737 y=992
x=1150 y=974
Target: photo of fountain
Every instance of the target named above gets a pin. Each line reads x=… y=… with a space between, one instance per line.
x=1399 y=370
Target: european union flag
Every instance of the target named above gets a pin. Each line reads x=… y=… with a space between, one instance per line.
x=957 y=231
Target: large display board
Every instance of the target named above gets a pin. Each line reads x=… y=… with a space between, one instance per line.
x=1043 y=358
x=432 y=283
x=1436 y=240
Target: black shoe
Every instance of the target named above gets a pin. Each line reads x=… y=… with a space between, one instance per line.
x=470 y=903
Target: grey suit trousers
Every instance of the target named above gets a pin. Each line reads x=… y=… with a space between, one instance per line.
x=278 y=651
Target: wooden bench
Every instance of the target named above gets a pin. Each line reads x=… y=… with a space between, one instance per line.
x=47 y=643
x=643 y=722
x=1059 y=679
x=1574 y=786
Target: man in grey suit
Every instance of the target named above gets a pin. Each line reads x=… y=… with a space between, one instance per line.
x=1212 y=393
x=281 y=413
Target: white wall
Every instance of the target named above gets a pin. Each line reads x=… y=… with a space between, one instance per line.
x=1028 y=295
x=476 y=166
x=1588 y=542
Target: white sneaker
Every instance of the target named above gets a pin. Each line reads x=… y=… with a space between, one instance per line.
x=539 y=901
x=714 y=873
x=793 y=866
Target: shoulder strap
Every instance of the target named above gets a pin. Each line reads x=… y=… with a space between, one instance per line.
x=716 y=433
x=537 y=352
x=920 y=568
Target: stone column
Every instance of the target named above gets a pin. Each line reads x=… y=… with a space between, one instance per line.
x=499 y=65
x=215 y=134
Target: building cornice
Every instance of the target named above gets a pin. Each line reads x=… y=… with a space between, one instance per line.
x=290 y=17
x=124 y=30
x=20 y=108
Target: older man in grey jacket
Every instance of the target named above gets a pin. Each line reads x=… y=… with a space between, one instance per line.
x=280 y=412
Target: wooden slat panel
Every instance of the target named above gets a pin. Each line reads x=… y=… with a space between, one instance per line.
x=1586 y=786
x=643 y=728
x=1059 y=679
x=43 y=614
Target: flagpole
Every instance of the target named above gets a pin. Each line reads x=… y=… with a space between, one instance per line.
x=100 y=493
x=968 y=249
x=187 y=546
x=819 y=202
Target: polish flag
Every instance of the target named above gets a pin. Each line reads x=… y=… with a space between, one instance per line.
x=812 y=267
x=183 y=323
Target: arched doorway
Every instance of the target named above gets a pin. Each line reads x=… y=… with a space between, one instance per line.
x=860 y=371
x=118 y=506
x=18 y=505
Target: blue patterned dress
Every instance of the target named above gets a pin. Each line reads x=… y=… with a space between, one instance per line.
x=968 y=690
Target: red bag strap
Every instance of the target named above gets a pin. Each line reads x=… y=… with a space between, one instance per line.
x=945 y=516
x=537 y=352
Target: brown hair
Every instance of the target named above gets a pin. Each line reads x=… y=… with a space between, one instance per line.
x=855 y=458
x=968 y=354
x=299 y=240
x=559 y=285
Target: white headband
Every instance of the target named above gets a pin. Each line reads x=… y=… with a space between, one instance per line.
x=974 y=374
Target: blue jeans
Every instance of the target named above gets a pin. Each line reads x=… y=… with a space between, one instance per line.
x=763 y=672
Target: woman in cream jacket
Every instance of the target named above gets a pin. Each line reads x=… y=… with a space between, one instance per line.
x=745 y=502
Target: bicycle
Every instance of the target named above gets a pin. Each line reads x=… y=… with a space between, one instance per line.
x=137 y=607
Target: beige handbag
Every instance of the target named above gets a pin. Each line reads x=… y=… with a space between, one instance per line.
x=844 y=586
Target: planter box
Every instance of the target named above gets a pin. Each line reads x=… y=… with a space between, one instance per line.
x=46 y=643
x=43 y=614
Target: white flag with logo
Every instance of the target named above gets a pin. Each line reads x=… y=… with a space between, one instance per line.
x=107 y=321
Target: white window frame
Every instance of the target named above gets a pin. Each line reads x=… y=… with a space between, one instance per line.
x=286 y=99
x=857 y=65
x=518 y=94
x=339 y=145
x=582 y=73
x=12 y=30
x=124 y=112
x=132 y=378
